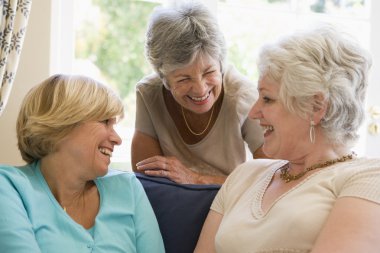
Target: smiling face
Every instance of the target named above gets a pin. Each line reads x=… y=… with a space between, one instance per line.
x=90 y=146
x=286 y=135
x=198 y=85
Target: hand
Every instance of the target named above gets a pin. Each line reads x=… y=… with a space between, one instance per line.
x=169 y=167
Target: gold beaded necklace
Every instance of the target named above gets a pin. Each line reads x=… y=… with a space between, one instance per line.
x=191 y=130
x=287 y=177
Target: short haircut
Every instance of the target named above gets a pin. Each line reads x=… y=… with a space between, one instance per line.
x=179 y=34
x=54 y=107
x=322 y=61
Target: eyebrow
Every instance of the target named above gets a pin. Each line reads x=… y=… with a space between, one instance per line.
x=185 y=75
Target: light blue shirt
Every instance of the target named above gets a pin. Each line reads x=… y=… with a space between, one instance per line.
x=31 y=219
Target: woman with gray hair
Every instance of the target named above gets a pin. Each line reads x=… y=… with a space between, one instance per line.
x=317 y=196
x=192 y=114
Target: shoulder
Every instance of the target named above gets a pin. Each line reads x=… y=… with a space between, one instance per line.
x=240 y=93
x=120 y=188
x=16 y=173
x=360 y=166
x=20 y=180
x=359 y=178
x=358 y=169
x=236 y=83
x=150 y=82
x=116 y=178
x=250 y=171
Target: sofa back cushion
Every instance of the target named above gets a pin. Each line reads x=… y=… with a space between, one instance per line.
x=181 y=210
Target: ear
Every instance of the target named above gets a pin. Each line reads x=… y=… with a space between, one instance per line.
x=165 y=83
x=320 y=105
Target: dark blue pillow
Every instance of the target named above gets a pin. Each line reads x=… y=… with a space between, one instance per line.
x=181 y=210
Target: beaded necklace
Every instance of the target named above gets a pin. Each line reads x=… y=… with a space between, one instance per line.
x=287 y=177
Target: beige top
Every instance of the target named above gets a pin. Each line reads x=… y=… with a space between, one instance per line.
x=294 y=220
x=223 y=148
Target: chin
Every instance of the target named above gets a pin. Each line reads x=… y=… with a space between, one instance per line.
x=103 y=171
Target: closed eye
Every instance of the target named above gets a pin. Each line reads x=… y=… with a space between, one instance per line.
x=106 y=121
x=267 y=99
x=210 y=72
x=183 y=80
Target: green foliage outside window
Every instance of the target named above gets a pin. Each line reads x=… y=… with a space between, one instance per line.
x=116 y=44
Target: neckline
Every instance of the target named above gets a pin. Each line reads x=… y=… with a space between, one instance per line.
x=58 y=207
x=173 y=125
x=261 y=188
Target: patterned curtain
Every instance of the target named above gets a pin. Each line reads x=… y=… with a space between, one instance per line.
x=13 y=20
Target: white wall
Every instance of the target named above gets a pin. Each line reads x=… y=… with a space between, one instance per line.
x=34 y=66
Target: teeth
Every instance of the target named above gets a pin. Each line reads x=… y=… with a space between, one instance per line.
x=268 y=128
x=106 y=151
x=198 y=99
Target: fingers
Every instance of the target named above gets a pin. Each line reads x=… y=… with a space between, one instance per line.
x=157 y=173
x=152 y=163
x=156 y=166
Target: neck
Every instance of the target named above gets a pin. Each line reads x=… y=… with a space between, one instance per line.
x=318 y=155
x=64 y=185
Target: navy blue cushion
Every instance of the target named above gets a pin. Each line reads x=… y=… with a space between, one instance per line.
x=181 y=210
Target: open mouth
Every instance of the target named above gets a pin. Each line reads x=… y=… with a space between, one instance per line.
x=105 y=151
x=267 y=129
x=200 y=99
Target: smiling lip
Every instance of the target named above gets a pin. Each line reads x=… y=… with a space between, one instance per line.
x=268 y=129
x=200 y=100
x=106 y=151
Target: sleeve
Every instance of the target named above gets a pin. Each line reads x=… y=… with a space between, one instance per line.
x=363 y=184
x=143 y=121
x=148 y=235
x=16 y=232
x=219 y=204
x=252 y=134
x=247 y=96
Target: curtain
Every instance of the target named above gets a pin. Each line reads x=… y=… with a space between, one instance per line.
x=13 y=21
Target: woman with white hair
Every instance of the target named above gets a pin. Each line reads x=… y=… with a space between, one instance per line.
x=192 y=122
x=316 y=196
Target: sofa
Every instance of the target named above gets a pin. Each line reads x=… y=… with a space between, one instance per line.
x=181 y=210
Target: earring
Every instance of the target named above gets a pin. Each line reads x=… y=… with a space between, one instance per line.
x=312 y=131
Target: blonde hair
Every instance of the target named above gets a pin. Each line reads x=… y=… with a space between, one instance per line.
x=53 y=108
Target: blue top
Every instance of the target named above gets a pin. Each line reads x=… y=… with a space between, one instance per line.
x=31 y=219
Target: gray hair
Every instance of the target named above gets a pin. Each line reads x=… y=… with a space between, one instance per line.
x=322 y=61
x=178 y=34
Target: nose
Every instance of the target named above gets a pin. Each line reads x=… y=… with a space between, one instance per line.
x=255 y=112
x=115 y=137
x=199 y=86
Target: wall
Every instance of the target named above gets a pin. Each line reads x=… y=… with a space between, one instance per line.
x=34 y=66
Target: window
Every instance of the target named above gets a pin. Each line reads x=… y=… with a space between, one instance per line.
x=110 y=36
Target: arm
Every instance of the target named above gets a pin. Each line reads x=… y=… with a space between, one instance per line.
x=147 y=154
x=143 y=147
x=352 y=226
x=16 y=232
x=206 y=242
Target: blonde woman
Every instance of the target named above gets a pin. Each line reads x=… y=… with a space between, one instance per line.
x=65 y=199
